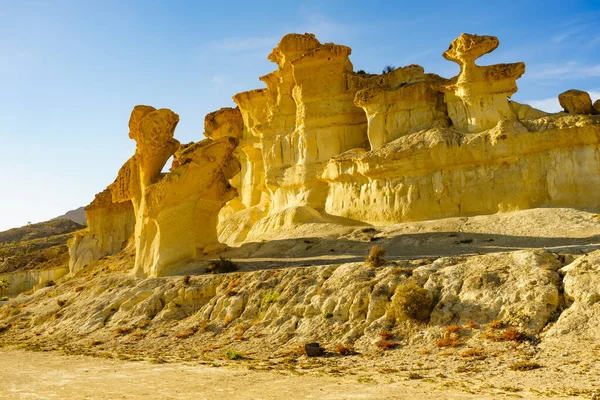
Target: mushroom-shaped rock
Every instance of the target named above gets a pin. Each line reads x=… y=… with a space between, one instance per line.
x=576 y=102
x=477 y=98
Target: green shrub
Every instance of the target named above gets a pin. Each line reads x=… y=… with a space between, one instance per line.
x=233 y=355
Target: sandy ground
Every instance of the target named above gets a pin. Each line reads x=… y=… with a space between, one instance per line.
x=53 y=376
x=50 y=375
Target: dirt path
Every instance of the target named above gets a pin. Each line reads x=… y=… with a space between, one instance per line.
x=31 y=375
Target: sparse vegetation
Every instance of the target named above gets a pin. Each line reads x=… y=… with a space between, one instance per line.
x=221 y=266
x=474 y=353
x=450 y=329
x=186 y=333
x=414 y=375
x=361 y=72
x=512 y=334
x=495 y=324
x=270 y=297
x=386 y=335
x=375 y=257
x=344 y=350
x=233 y=355
x=524 y=366
x=186 y=280
x=449 y=341
x=471 y=325
x=387 y=69
x=123 y=331
x=386 y=344
x=411 y=301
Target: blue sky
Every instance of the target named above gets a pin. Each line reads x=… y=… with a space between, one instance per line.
x=71 y=71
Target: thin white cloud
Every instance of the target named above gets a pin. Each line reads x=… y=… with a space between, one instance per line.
x=567 y=34
x=217 y=79
x=569 y=70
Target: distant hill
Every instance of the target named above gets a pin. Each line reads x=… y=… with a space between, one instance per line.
x=41 y=245
x=76 y=215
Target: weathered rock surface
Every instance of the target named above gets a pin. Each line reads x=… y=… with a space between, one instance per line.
x=575 y=102
x=173 y=216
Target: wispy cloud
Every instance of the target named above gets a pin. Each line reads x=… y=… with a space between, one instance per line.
x=569 y=70
x=217 y=79
x=414 y=57
x=568 y=33
x=552 y=105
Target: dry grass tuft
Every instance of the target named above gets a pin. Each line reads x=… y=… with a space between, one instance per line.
x=344 y=350
x=471 y=325
x=495 y=324
x=449 y=341
x=187 y=333
x=450 y=329
x=240 y=330
x=123 y=331
x=386 y=344
x=386 y=335
x=474 y=353
x=524 y=366
x=414 y=375
x=375 y=257
x=144 y=323
x=514 y=335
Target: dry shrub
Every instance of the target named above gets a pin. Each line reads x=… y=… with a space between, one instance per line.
x=471 y=325
x=221 y=266
x=187 y=333
x=450 y=329
x=95 y=342
x=414 y=375
x=186 y=280
x=344 y=350
x=524 y=366
x=61 y=303
x=495 y=324
x=78 y=289
x=375 y=257
x=386 y=335
x=144 y=323
x=386 y=344
x=514 y=335
x=411 y=301
x=479 y=354
x=123 y=331
x=449 y=341
x=240 y=330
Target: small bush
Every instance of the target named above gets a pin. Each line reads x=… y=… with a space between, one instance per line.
x=186 y=333
x=524 y=366
x=78 y=289
x=414 y=375
x=344 y=350
x=233 y=355
x=387 y=69
x=495 y=324
x=479 y=354
x=186 y=280
x=514 y=335
x=269 y=298
x=386 y=335
x=471 y=325
x=375 y=257
x=221 y=266
x=386 y=344
x=361 y=72
x=449 y=341
x=123 y=331
x=411 y=301
x=61 y=303
x=450 y=329
x=49 y=283
x=144 y=323
x=328 y=315
x=95 y=342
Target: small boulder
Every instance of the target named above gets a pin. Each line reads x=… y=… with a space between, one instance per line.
x=313 y=349
x=575 y=102
x=596 y=107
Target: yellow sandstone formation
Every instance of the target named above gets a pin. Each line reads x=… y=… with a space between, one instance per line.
x=322 y=144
